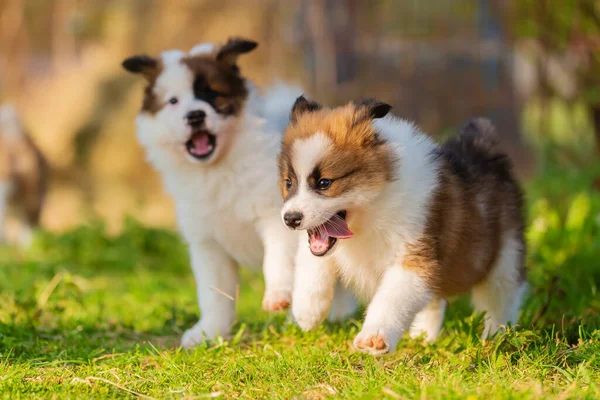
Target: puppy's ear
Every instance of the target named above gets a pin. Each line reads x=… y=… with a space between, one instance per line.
x=141 y=64
x=367 y=110
x=301 y=106
x=229 y=53
x=372 y=109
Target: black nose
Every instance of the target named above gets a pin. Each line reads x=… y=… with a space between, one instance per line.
x=196 y=117
x=293 y=219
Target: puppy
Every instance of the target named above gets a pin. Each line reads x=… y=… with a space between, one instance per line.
x=215 y=140
x=23 y=176
x=403 y=221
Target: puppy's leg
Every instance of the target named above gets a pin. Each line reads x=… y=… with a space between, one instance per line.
x=4 y=196
x=429 y=320
x=501 y=294
x=278 y=264
x=314 y=283
x=400 y=296
x=216 y=276
x=344 y=304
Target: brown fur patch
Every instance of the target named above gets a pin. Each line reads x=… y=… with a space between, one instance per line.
x=217 y=83
x=477 y=204
x=357 y=157
x=22 y=165
x=152 y=104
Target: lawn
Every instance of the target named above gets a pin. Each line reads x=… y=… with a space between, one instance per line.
x=87 y=315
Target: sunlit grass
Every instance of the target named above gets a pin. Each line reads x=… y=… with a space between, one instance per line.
x=84 y=314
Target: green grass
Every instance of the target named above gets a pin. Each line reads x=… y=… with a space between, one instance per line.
x=85 y=315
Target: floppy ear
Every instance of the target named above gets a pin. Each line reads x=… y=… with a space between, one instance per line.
x=141 y=64
x=229 y=53
x=301 y=106
x=374 y=109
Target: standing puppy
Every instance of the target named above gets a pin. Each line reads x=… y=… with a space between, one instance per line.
x=404 y=221
x=23 y=176
x=215 y=141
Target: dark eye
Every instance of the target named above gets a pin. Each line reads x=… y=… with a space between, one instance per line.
x=173 y=100
x=288 y=184
x=323 y=184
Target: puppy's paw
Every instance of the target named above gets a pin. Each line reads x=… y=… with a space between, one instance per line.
x=310 y=311
x=203 y=331
x=373 y=342
x=277 y=300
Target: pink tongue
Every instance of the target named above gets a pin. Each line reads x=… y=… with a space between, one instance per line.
x=319 y=242
x=338 y=228
x=201 y=144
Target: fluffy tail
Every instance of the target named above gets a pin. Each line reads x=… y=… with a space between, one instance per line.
x=480 y=133
x=475 y=151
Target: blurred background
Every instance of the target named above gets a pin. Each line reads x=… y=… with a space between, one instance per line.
x=532 y=66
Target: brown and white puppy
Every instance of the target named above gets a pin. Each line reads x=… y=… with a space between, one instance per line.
x=402 y=220
x=23 y=176
x=215 y=138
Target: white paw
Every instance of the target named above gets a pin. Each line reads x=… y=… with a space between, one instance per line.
x=310 y=311
x=277 y=300
x=201 y=332
x=372 y=341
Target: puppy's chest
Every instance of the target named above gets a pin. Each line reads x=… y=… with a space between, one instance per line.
x=240 y=239
x=228 y=220
x=363 y=262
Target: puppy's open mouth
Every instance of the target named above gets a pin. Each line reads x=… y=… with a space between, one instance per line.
x=201 y=144
x=322 y=238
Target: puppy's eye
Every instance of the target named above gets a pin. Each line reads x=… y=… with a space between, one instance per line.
x=323 y=184
x=173 y=100
x=288 y=184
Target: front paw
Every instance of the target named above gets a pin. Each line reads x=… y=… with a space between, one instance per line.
x=277 y=300
x=202 y=332
x=310 y=311
x=372 y=341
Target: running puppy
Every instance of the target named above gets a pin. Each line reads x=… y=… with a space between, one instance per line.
x=403 y=221
x=215 y=139
x=23 y=176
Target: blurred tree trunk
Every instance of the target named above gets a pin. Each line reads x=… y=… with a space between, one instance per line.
x=323 y=46
x=595 y=111
x=63 y=41
x=14 y=47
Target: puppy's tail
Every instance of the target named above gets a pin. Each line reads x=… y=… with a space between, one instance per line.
x=477 y=149
x=480 y=134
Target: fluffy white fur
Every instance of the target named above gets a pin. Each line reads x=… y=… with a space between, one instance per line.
x=500 y=296
x=371 y=262
x=227 y=208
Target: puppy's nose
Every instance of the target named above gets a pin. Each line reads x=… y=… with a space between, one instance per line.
x=293 y=219
x=196 y=117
